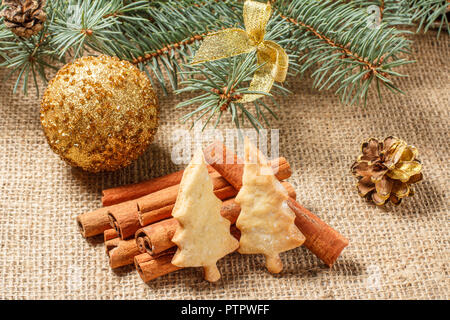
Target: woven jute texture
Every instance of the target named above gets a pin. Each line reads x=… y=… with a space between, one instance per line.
x=398 y=253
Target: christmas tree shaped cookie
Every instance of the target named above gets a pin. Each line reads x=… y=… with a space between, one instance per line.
x=203 y=235
x=266 y=222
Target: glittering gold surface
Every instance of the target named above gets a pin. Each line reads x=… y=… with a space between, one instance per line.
x=232 y=42
x=99 y=113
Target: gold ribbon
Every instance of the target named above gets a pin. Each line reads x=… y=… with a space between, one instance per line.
x=232 y=42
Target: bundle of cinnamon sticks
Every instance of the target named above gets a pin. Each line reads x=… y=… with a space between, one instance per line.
x=137 y=224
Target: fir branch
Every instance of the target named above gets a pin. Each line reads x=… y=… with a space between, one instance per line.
x=220 y=84
x=329 y=37
x=27 y=58
x=429 y=13
x=336 y=41
x=156 y=35
x=174 y=32
x=219 y=88
x=81 y=25
x=393 y=13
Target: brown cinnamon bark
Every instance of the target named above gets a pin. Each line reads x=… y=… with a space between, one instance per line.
x=96 y=222
x=156 y=206
x=124 y=218
x=120 y=252
x=93 y=223
x=157 y=237
x=133 y=191
x=109 y=234
x=151 y=267
x=325 y=242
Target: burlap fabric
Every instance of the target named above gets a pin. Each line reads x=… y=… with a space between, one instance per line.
x=401 y=253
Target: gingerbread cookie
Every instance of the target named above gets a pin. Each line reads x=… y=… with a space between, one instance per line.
x=266 y=222
x=203 y=235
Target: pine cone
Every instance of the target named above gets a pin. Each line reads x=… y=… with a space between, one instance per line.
x=385 y=170
x=24 y=17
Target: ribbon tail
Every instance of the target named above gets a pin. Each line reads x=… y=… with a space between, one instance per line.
x=275 y=53
x=275 y=63
x=223 y=44
x=262 y=81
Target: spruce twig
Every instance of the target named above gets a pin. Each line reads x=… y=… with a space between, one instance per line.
x=220 y=87
x=393 y=13
x=431 y=12
x=329 y=37
x=336 y=40
x=28 y=58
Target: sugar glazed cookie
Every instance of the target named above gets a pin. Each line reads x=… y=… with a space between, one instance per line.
x=203 y=235
x=266 y=222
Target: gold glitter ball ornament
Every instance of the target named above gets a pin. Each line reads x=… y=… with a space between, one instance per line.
x=99 y=113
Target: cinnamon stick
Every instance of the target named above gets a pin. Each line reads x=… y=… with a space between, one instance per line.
x=133 y=191
x=325 y=242
x=120 y=252
x=151 y=267
x=96 y=222
x=109 y=234
x=123 y=216
x=93 y=223
x=157 y=237
x=158 y=205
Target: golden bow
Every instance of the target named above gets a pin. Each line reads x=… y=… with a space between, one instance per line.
x=232 y=42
